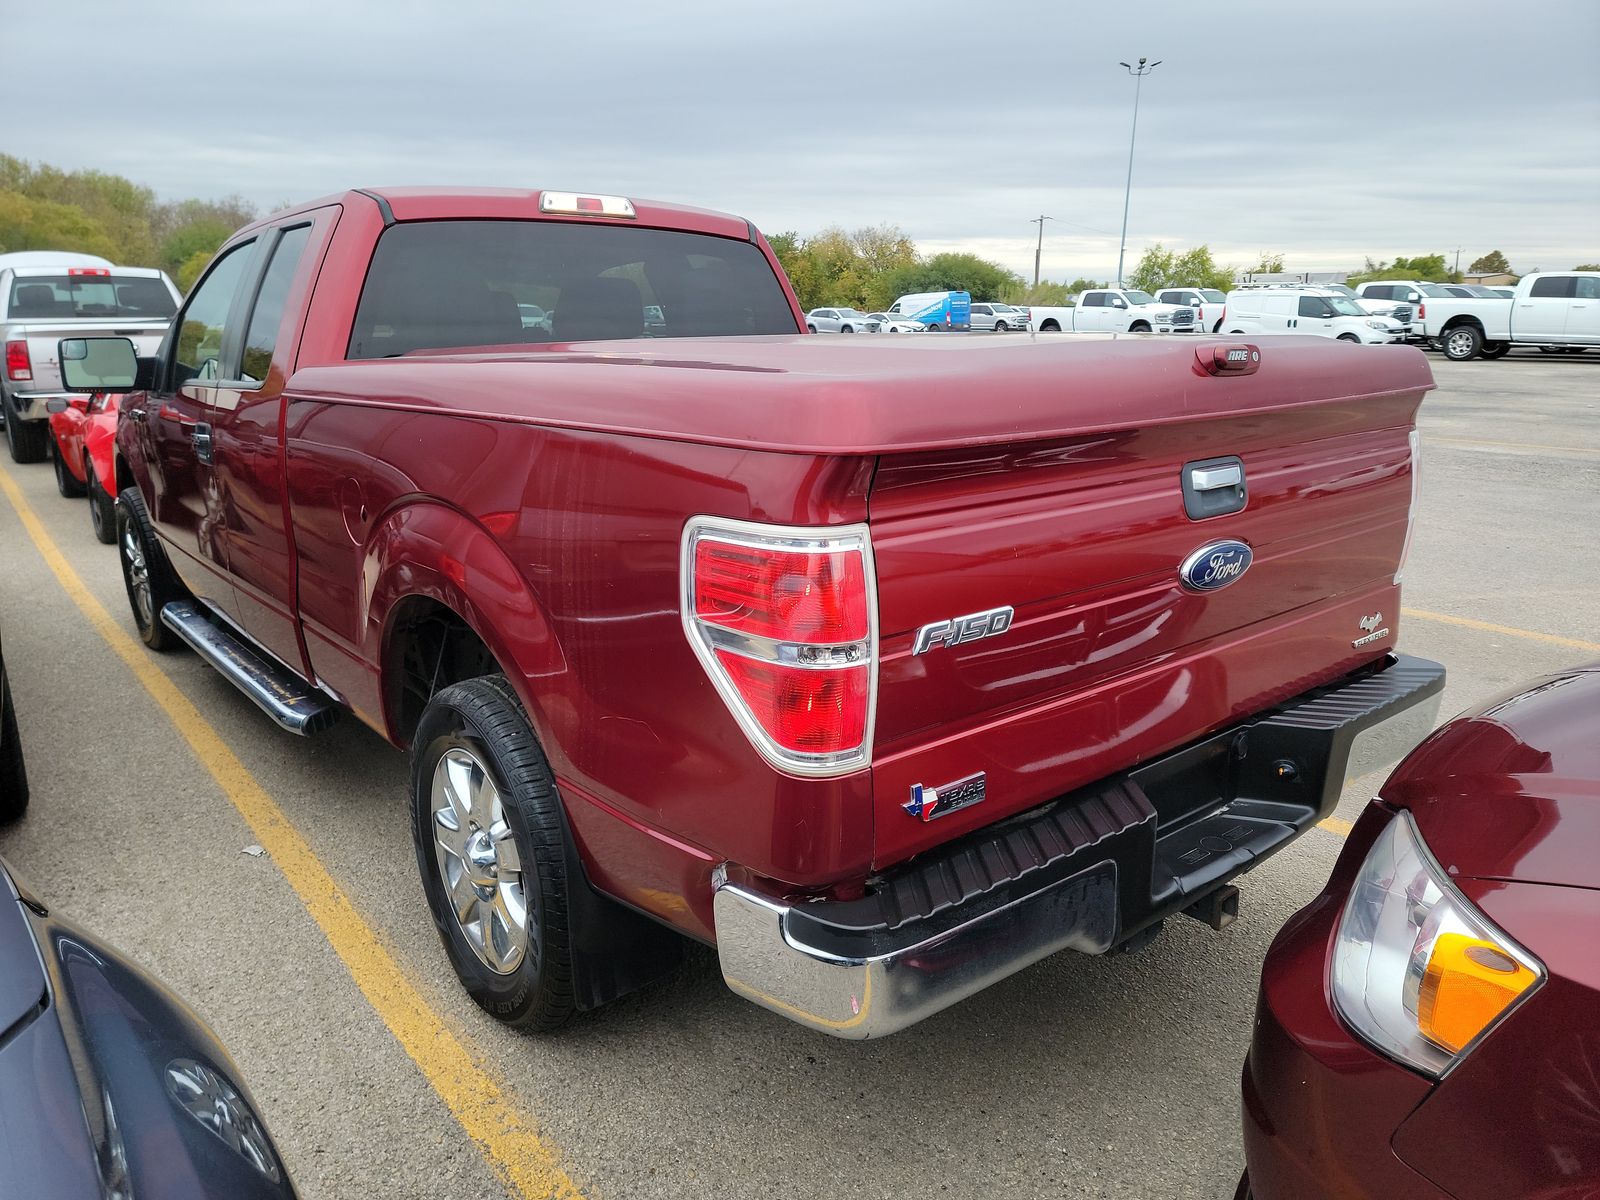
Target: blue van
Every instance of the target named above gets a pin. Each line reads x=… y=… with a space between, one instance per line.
x=939 y=311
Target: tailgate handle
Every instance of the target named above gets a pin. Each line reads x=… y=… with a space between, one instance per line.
x=1214 y=487
x=1208 y=479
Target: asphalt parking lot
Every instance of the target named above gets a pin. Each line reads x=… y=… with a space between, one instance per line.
x=1109 y=1077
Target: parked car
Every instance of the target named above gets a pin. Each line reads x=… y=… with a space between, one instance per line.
x=1503 y=292
x=41 y=303
x=110 y=1086
x=1396 y=310
x=13 y=769
x=1426 y=1026
x=998 y=318
x=1206 y=302
x=84 y=431
x=837 y=320
x=885 y=323
x=1557 y=310
x=936 y=311
x=721 y=630
x=1311 y=310
x=1115 y=310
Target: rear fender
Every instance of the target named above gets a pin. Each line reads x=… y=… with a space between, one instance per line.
x=431 y=550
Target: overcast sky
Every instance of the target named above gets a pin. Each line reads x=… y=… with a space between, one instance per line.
x=1328 y=131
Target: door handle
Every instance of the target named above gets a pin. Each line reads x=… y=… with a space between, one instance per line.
x=1209 y=479
x=202 y=442
x=169 y=413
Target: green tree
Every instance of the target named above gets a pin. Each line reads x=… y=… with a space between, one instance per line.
x=189 y=269
x=1587 y=267
x=28 y=224
x=1163 y=268
x=1270 y=264
x=1492 y=263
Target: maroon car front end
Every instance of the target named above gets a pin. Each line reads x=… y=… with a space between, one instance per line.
x=1494 y=1090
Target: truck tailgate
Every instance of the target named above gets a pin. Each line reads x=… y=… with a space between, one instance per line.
x=1109 y=658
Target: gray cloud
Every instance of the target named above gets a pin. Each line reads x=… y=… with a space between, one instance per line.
x=1328 y=133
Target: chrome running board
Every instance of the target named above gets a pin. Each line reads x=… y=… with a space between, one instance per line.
x=289 y=700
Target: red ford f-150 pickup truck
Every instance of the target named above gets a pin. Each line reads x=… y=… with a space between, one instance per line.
x=886 y=668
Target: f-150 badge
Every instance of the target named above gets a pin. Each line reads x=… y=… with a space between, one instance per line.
x=963 y=629
x=926 y=803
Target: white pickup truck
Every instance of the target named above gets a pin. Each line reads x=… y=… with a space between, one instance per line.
x=47 y=296
x=1114 y=310
x=1557 y=311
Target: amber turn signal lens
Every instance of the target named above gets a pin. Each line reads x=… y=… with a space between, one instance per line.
x=1467 y=984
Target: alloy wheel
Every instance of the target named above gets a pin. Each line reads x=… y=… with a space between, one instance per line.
x=478 y=860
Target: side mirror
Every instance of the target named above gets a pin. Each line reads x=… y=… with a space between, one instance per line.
x=99 y=364
x=1413 y=298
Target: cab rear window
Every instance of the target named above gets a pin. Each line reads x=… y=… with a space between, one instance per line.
x=439 y=285
x=68 y=297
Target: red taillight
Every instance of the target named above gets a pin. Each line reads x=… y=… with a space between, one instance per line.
x=1422 y=312
x=18 y=365
x=87 y=271
x=813 y=598
x=782 y=619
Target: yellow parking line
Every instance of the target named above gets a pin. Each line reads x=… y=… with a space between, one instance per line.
x=509 y=1139
x=1508 y=630
x=1336 y=825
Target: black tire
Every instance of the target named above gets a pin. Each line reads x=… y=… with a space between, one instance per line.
x=28 y=441
x=1001 y=327
x=66 y=483
x=161 y=585
x=1349 y=337
x=1493 y=350
x=13 y=772
x=1461 y=343
x=847 y=329
x=1217 y=328
x=1139 y=327
x=484 y=718
x=810 y=328
x=102 y=508
x=1051 y=326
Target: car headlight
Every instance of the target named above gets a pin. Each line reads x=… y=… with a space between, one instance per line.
x=1417 y=971
x=1378 y=324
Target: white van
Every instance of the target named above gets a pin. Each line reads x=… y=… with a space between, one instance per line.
x=1306 y=310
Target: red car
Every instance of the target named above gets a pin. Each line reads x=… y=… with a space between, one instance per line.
x=85 y=432
x=1429 y=1026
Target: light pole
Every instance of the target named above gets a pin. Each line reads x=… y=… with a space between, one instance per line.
x=1039 y=249
x=1144 y=68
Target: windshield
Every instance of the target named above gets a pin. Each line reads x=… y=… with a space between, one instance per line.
x=1434 y=290
x=1345 y=307
x=1486 y=293
x=1137 y=297
x=1212 y=296
x=849 y=312
x=1348 y=292
x=64 y=297
x=438 y=285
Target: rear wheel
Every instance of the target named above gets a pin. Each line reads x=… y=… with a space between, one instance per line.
x=1051 y=326
x=148 y=576
x=1462 y=343
x=492 y=852
x=1496 y=349
x=935 y=327
x=102 y=508
x=28 y=441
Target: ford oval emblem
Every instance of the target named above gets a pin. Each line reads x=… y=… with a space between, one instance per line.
x=1215 y=565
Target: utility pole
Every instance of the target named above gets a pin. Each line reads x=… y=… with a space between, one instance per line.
x=1457 y=271
x=1039 y=249
x=1138 y=73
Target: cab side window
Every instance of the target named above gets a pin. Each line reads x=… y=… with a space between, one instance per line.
x=1586 y=288
x=1095 y=300
x=261 y=336
x=1553 y=285
x=198 y=348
